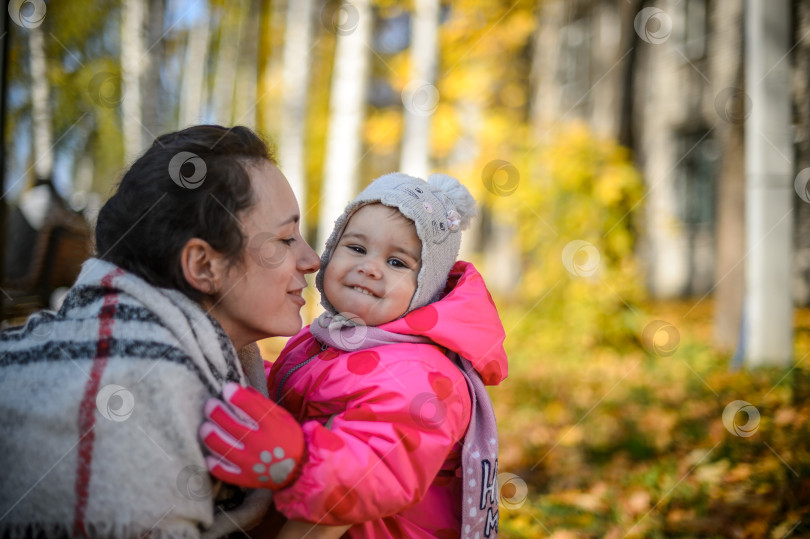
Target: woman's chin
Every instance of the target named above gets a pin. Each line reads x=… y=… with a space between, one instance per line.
x=294 y=324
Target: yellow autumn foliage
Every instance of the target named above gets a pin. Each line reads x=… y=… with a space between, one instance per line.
x=574 y=216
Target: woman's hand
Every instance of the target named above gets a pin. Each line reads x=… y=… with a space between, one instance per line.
x=254 y=442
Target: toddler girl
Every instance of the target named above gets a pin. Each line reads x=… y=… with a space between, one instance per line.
x=400 y=435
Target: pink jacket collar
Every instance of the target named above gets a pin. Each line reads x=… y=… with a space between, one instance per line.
x=465 y=320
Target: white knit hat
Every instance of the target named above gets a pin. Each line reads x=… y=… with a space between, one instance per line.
x=440 y=208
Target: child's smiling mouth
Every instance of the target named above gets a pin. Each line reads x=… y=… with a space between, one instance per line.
x=364 y=291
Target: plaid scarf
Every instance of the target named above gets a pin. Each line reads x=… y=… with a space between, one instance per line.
x=99 y=409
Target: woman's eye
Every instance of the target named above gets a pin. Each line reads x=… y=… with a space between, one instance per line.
x=288 y=241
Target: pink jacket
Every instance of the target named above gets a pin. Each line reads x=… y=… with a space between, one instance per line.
x=383 y=452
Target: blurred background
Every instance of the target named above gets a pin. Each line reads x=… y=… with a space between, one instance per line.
x=642 y=171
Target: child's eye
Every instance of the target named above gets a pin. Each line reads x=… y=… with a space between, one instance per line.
x=397 y=263
x=357 y=249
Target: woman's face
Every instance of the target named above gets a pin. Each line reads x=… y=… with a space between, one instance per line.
x=261 y=297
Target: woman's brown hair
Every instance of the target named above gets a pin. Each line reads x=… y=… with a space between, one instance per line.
x=191 y=183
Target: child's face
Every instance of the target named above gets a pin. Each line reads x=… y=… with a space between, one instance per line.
x=372 y=273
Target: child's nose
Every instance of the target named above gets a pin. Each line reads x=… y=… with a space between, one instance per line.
x=370 y=269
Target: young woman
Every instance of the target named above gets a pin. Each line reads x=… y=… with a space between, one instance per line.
x=198 y=256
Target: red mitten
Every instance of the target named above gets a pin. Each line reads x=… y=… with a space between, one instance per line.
x=255 y=443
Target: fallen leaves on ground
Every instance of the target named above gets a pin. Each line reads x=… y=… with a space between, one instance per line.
x=622 y=443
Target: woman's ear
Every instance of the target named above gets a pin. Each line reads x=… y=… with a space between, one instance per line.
x=202 y=265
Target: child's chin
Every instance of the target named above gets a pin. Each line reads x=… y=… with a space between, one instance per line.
x=358 y=316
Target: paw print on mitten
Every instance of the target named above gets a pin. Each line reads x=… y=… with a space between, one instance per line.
x=264 y=444
x=274 y=466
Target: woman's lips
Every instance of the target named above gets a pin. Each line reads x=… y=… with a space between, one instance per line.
x=296 y=297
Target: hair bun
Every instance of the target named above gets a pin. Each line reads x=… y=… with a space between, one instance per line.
x=458 y=194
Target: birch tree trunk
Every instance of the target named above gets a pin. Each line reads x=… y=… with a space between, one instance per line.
x=244 y=105
x=768 y=303
x=462 y=160
x=347 y=103
x=546 y=99
x=420 y=96
x=192 y=94
x=225 y=68
x=264 y=119
x=154 y=59
x=132 y=62
x=40 y=105
x=295 y=94
x=727 y=72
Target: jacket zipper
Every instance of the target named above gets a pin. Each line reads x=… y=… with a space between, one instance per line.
x=292 y=370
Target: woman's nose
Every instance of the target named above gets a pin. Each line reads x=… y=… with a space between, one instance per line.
x=308 y=261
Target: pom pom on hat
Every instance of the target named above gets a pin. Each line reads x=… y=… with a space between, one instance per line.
x=439 y=208
x=459 y=195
